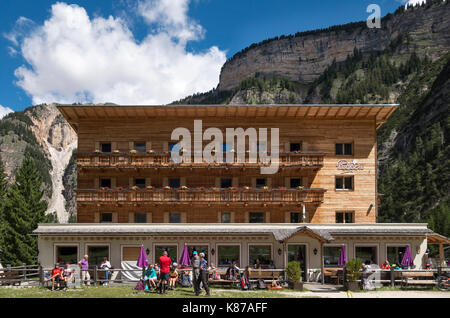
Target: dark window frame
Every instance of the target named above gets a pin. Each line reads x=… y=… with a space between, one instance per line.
x=298 y=147
x=104 y=214
x=144 y=215
x=343 y=216
x=173 y=214
x=254 y=215
x=340 y=149
x=342 y=181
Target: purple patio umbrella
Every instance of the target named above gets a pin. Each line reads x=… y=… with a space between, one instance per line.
x=185 y=260
x=142 y=260
x=343 y=256
x=407 y=258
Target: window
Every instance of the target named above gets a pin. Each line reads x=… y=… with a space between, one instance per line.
x=344 y=183
x=140 y=147
x=105 y=183
x=368 y=254
x=263 y=253
x=106 y=218
x=296 y=182
x=261 y=182
x=226 y=217
x=395 y=254
x=171 y=251
x=227 y=254
x=344 y=149
x=199 y=249
x=331 y=255
x=175 y=218
x=97 y=253
x=344 y=217
x=256 y=217
x=226 y=183
x=66 y=254
x=295 y=147
x=140 y=217
x=130 y=253
x=139 y=183
x=106 y=147
x=174 y=183
x=295 y=217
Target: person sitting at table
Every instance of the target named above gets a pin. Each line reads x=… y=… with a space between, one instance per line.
x=271 y=265
x=56 y=276
x=257 y=264
x=173 y=276
x=386 y=265
x=67 y=275
x=213 y=272
x=233 y=271
x=151 y=277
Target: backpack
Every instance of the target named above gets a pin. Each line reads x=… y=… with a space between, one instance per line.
x=244 y=283
x=140 y=285
x=186 y=281
x=261 y=284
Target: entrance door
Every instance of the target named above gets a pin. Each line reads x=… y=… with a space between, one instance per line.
x=297 y=252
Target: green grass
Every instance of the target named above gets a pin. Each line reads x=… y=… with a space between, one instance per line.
x=129 y=292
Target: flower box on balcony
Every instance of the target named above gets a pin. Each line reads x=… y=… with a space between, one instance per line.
x=265 y=188
x=150 y=151
x=184 y=188
x=215 y=189
x=116 y=151
x=104 y=188
x=167 y=188
x=118 y=188
x=300 y=187
x=246 y=188
x=149 y=187
x=232 y=188
x=135 y=188
x=282 y=188
x=133 y=151
x=97 y=151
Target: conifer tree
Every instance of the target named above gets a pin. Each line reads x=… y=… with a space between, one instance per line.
x=23 y=210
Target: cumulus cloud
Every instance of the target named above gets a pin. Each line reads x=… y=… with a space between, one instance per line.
x=4 y=111
x=75 y=58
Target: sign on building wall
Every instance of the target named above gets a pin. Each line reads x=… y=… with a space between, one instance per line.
x=346 y=165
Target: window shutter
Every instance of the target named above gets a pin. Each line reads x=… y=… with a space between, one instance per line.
x=166 y=217
x=247 y=217
x=97 y=217
x=232 y=217
x=165 y=146
x=115 y=217
x=114 y=145
x=130 y=145
x=131 y=217
x=148 y=145
x=287 y=217
x=217 y=182
x=113 y=182
x=269 y=182
x=165 y=182
x=149 y=217
x=183 y=181
x=130 y=253
x=305 y=182
x=148 y=182
x=287 y=146
x=97 y=145
x=253 y=182
x=183 y=217
x=219 y=217
x=235 y=182
x=96 y=183
x=130 y=182
x=287 y=182
x=267 y=217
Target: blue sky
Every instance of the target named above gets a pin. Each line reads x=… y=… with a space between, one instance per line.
x=175 y=48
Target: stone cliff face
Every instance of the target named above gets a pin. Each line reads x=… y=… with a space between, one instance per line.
x=303 y=58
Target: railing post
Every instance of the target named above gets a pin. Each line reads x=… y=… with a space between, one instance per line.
x=392 y=277
x=41 y=276
x=24 y=271
x=95 y=276
x=345 y=278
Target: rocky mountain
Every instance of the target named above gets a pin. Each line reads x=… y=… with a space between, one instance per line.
x=304 y=56
x=44 y=133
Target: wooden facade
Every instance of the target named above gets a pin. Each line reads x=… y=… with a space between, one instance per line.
x=200 y=198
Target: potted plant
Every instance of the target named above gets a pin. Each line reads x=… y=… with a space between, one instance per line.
x=353 y=273
x=149 y=187
x=300 y=188
x=97 y=151
x=184 y=188
x=133 y=151
x=167 y=188
x=294 y=275
x=150 y=151
x=116 y=151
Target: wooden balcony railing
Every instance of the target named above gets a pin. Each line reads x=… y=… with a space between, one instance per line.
x=154 y=160
x=235 y=195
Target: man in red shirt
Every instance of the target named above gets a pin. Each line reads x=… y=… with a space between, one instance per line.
x=164 y=265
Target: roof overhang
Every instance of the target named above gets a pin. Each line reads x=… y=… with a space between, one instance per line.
x=434 y=238
x=75 y=114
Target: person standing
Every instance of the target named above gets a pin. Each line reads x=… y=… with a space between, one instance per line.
x=106 y=265
x=164 y=264
x=196 y=273
x=85 y=276
x=203 y=274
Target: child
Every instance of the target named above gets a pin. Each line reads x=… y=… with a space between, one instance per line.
x=150 y=277
x=173 y=276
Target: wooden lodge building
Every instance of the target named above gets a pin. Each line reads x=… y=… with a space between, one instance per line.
x=324 y=194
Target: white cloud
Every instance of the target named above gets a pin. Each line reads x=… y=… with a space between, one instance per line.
x=75 y=58
x=4 y=111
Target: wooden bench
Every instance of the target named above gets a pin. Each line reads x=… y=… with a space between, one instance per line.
x=268 y=275
x=222 y=273
x=417 y=279
x=10 y=278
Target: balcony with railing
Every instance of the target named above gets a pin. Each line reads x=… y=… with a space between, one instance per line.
x=201 y=195
x=163 y=159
